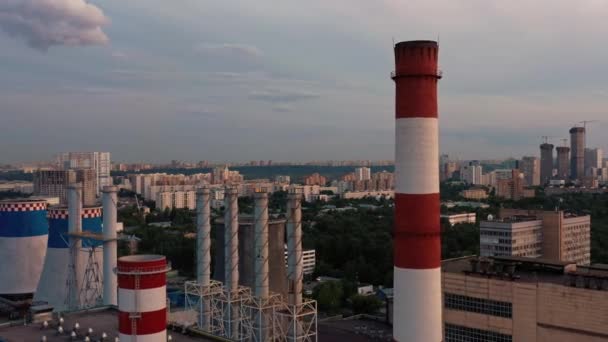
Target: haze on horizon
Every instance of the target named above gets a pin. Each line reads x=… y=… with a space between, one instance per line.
x=150 y=80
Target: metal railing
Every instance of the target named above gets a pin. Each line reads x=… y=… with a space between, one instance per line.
x=129 y=270
x=438 y=74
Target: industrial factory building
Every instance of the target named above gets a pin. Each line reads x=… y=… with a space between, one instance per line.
x=506 y=299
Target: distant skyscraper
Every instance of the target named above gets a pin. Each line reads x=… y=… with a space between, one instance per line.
x=98 y=161
x=530 y=166
x=577 y=152
x=593 y=158
x=546 y=163
x=563 y=162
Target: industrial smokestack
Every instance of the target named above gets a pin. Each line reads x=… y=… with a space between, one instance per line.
x=260 y=217
x=203 y=250
x=203 y=236
x=142 y=293
x=75 y=227
x=294 y=245
x=231 y=239
x=109 y=245
x=231 y=259
x=417 y=247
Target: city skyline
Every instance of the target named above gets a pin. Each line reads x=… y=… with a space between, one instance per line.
x=182 y=82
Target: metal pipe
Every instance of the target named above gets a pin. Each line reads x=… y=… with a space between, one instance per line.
x=260 y=217
x=231 y=260
x=203 y=252
x=203 y=236
x=294 y=245
x=231 y=239
x=75 y=227
x=110 y=253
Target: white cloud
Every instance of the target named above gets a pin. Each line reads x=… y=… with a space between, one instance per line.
x=46 y=23
x=228 y=49
x=282 y=95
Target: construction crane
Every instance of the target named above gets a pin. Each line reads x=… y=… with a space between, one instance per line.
x=546 y=138
x=585 y=122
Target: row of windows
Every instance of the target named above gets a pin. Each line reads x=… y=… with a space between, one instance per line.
x=457 y=333
x=478 y=305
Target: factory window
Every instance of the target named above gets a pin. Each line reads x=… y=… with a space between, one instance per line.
x=478 y=305
x=457 y=333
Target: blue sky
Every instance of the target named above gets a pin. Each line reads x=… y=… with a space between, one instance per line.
x=246 y=80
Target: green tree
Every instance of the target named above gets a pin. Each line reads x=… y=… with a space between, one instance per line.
x=329 y=296
x=365 y=304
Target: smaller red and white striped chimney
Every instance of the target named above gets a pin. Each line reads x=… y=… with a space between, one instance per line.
x=142 y=298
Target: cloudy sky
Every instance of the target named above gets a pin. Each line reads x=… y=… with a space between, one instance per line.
x=156 y=80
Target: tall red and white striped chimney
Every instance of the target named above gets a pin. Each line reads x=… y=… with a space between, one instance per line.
x=417 y=247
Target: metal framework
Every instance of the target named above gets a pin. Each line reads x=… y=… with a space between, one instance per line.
x=300 y=321
x=243 y=317
x=89 y=293
x=260 y=320
x=203 y=299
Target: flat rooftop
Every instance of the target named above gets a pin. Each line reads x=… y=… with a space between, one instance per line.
x=100 y=320
x=532 y=270
x=354 y=330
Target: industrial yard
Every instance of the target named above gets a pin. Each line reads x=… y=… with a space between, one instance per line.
x=103 y=320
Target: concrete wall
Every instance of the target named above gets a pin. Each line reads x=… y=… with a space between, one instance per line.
x=541 y=311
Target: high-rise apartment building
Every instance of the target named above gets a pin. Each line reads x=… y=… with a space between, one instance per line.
x=577 y=153
x=511 y=188
x=98 y=161
x=563 y=162
x=546 y=163
x=530 y=166
x=448 y=170
x=315 y=179
x=363 y=173
x=176 y=200
x=593 y=160
x=471 y=174
x=54 y=183
x=506 y=299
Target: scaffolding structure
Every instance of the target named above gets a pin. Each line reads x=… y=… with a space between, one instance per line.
x=300 y=321
x=241 y=316
x=86 y=292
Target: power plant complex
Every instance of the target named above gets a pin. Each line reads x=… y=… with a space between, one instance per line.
x=66 y=259
x=70 y=253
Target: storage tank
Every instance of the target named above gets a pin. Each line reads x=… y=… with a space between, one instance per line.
x=52 y=287
x=277 y=277
x=23 y=239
